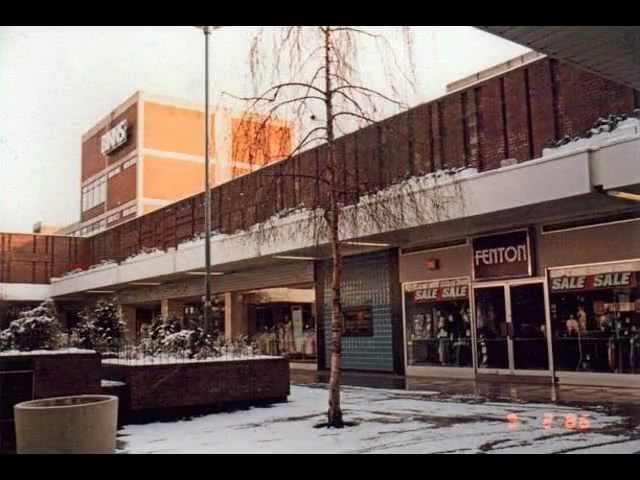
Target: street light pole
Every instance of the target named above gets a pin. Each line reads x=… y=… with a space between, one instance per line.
x=207 y=188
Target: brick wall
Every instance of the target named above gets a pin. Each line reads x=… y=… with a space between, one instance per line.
x=202 y=384
x=27 y=258
x=93 y=161
x=121 y=188
x=509 y=116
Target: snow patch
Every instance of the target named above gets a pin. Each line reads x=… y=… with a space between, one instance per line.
x=62 y=351
x=604 y=132
x=148 y=361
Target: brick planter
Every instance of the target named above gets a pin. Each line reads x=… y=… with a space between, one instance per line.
x=200 y=384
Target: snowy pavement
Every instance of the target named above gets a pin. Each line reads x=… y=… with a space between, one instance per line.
x=390 y=421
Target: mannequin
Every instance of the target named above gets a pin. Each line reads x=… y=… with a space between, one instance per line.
x=443 y=342
x=290 y=346
x=452 y=327
x=572 y=326
x=428 y=326
x=582 y=320
x=467 y=323
x=418 y=326
x=309 y=341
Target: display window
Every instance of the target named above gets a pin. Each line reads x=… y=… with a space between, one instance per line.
x=595 y=318
x=284 y=329
x=438 y=323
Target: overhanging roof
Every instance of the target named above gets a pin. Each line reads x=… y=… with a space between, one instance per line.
x=610 y=51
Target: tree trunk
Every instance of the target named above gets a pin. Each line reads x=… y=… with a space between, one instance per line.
x=333 y=217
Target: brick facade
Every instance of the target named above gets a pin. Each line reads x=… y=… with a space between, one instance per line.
x=510 y=116
x=202 y=384
x=27 y=258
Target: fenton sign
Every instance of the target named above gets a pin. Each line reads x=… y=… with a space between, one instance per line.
x=506 y=255
x=114 y=138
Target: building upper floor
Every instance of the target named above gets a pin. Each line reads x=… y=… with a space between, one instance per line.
x=149 y=152
x=491 y=126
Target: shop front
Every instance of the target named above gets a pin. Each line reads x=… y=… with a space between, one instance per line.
x=595 y=318
x=491 y=319
x=526 y=303
x=509 y=305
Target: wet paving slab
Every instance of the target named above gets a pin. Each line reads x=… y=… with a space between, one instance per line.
x=396 y=421
x=613 y=400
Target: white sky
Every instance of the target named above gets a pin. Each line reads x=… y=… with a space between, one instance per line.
x=57 y=82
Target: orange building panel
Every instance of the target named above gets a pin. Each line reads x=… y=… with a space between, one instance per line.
x=171 y=179
x=146 y=208
x=173 y=129
x=259 y=144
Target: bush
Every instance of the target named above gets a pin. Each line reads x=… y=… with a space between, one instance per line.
x=166 y=337
x=161 y=328
x=5 y=340
x=36 y=329
x=100 y=328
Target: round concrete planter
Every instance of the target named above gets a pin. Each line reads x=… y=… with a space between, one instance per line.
x=76 y=424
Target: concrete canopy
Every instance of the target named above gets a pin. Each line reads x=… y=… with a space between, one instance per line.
x=610 y=51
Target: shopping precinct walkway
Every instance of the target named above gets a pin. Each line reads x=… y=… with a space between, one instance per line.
x=627 y=399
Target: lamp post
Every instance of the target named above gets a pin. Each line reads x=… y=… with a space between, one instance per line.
x=207 y=188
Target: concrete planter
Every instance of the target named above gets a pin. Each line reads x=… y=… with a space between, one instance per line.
x=76 y=424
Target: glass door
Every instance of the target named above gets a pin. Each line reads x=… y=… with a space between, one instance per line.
x=492 y=328
x=528 y=317
x=511 y=327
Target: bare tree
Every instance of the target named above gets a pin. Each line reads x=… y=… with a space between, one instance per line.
x=315 y=85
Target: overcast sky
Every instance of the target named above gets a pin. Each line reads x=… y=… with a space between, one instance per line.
x=56 y=83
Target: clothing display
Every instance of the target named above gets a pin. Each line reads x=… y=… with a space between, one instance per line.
x=599 y=331
x=438 y=328
x=310 y=342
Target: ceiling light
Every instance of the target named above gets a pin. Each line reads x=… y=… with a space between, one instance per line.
x=624 y=195
x=146 y=284
x=204 y=273
x=367 y=244
x=293 y=257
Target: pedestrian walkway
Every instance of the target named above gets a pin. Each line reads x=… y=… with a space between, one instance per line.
x=493 y=390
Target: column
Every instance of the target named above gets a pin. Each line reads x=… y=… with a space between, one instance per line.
x=235 y=323
x=128 y=315
x=171 y=307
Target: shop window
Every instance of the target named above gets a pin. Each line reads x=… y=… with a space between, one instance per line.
x=283 y=328
x=595 y=319
x=438 y=323
x=357 y=322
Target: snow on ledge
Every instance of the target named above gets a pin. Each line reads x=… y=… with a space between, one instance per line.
x=112 y=383
x=62 y=351
x=153 y=361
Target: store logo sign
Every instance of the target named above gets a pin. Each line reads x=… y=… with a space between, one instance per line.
x=114 y=138
x=504 y=255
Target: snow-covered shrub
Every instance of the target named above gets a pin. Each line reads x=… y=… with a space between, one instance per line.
x=5 y=340
x=100 y=328
x=152 y=340
x=36 y=329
